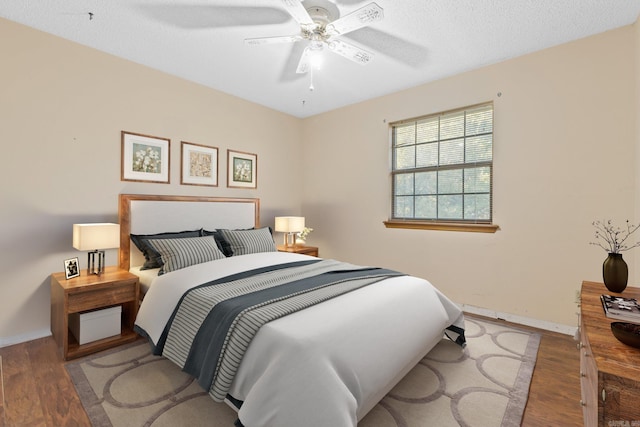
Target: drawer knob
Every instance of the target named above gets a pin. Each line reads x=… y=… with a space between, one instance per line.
x=582 y=403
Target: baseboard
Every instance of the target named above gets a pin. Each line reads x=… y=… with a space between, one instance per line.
x=17 y=339
x=521 y=320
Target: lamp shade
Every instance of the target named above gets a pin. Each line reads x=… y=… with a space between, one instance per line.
x=289 y=224
x=87 y=237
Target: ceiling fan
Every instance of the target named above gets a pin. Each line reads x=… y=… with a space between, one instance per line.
x=319 y=27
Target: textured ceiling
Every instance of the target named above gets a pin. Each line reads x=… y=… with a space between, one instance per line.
x=417 y=41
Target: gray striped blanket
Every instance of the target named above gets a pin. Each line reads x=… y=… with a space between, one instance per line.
x=213 y=324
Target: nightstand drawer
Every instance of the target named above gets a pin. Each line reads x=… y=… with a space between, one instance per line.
x=112 y=295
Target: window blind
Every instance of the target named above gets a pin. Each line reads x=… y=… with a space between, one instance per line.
x=443 y=166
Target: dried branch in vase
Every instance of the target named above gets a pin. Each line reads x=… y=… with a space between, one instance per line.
x=614 y=239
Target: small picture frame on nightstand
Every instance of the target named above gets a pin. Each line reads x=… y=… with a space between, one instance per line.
x=71 y=268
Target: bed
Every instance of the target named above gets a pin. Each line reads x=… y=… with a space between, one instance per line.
x=328 y=342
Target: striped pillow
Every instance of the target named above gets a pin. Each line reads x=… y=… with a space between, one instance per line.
x=151 y=256
x=223 y=245
x=245 y=242
x=183 y=252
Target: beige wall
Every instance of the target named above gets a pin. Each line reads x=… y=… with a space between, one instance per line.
x=62 y=107
x=566 y=131
x=564 y=155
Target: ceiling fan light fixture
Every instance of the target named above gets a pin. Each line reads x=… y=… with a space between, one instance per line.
x=316 y=45
x=319 y=27
x=315 y=59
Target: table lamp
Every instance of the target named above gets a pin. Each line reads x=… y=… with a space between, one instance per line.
x=95 y=238
x=289 y=225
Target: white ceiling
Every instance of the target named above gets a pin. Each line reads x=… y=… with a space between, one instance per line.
x=417 y=41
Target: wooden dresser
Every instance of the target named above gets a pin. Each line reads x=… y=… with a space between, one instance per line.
x=609 y=370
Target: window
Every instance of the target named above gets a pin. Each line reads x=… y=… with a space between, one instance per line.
x=442 y=167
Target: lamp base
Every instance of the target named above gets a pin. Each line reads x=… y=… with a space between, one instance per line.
x=289 y=239
x=91 y=262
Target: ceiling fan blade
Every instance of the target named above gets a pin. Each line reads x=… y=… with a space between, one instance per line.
x=304 y=65
x=298 y=12
x=357 y=19
x=288 y=71
x=351 y=52
x=271 y=40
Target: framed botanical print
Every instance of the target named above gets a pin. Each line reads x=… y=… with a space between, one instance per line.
x=242 y=169
x=199 y=164
x=145 y=158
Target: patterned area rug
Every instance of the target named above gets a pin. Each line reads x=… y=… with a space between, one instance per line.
x=484 y=385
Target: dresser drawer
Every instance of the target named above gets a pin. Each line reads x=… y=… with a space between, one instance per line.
x=620 y=401
x=88 y=299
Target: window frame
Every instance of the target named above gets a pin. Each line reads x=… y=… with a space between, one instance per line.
x=469 y=225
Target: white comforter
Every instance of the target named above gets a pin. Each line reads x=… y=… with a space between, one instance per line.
x=329 y=364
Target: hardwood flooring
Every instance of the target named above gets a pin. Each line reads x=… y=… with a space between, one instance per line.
x=554 y=395
x=36 y=389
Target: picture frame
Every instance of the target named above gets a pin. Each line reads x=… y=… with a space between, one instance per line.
x=242 y=169
x=145 y=158
x=198 y=164
x=71 y=268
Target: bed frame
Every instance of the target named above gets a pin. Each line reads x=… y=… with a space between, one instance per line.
x=149 y=214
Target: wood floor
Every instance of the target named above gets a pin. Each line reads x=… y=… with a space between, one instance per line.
x=36 y=390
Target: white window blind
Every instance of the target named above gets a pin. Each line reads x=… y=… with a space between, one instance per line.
x=443 y=166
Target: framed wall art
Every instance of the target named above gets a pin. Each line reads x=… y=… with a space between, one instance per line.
x=71 y=268
x=145 y=158
x=199 y=164
x=242 y=169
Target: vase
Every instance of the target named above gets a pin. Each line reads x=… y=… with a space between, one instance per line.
x=615 y=273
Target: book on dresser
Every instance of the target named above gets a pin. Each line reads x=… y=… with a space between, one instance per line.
x=620 y=308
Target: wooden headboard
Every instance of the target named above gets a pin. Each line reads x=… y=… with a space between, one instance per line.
x=150 y=214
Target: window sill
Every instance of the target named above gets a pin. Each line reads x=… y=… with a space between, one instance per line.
x=443 y=226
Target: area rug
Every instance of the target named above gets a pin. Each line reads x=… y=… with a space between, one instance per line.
x=485 y=384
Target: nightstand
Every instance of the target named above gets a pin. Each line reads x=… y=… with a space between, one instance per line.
x=299 y=249
x=90 y=292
